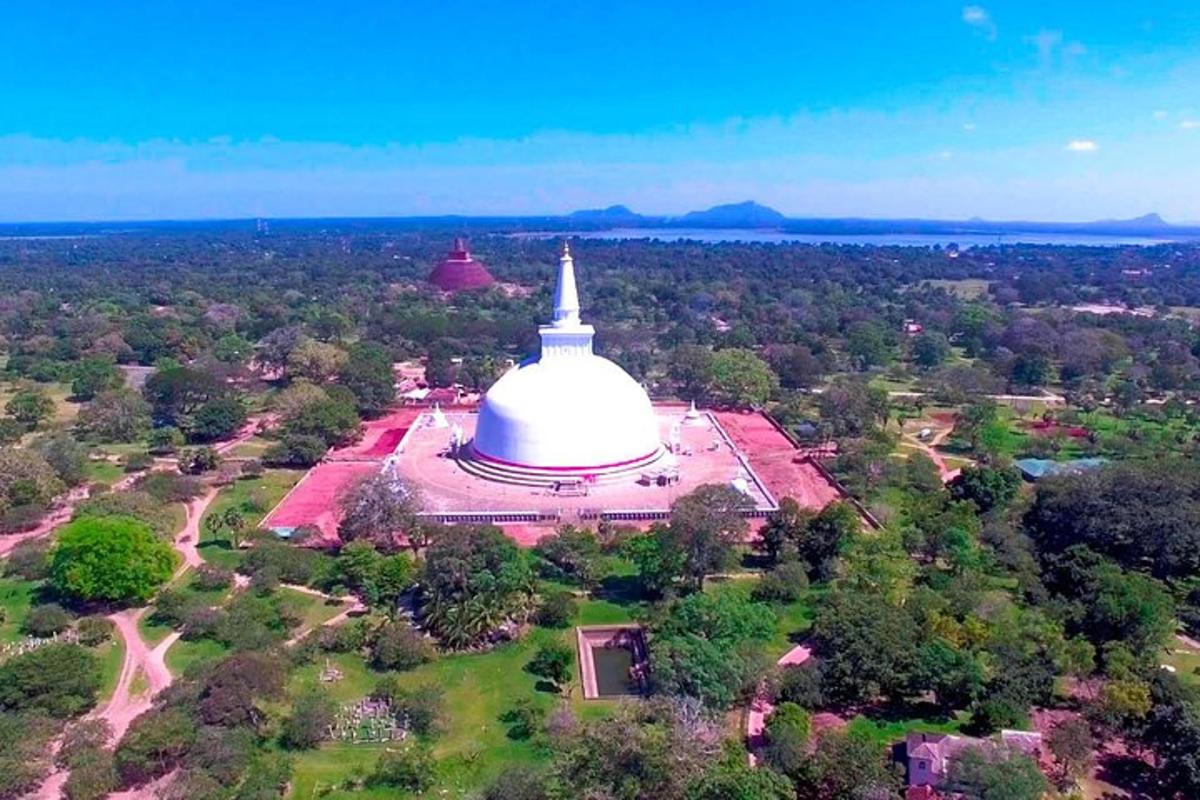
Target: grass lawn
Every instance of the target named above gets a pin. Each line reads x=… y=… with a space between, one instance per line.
x=182 y=655
x=965 y=288
x=312 y=610
x=474 y=746
x=253 y=498
x=103 y=471
x=254 y=447
x=894 y=728
x=16 y=598
x=112 y=655
x=1186 y=663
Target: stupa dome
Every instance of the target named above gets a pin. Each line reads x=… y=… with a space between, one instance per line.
x=459 y=271
x=569 y=412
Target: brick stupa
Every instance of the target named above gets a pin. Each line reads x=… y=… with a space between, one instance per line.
x=459 y=272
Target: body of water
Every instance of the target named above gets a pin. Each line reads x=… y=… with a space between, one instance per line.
x=964 y=240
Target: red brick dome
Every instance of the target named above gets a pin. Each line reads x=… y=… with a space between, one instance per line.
x=458 y=271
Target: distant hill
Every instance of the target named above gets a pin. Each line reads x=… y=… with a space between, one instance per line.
x=733 y=215
x=613 y=215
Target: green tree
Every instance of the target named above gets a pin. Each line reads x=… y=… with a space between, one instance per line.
x=118 y=415
x=67 y=457
x=845 y=766
x=705 y=526
x=988 y=487
x=113 y=559
x=930 y=349
x=992 y=773
x=306 y=727
x=30 y=407
x=57 y=680
x=379 y=510
x=740 y=378
x=368 y=374
x=552 y=661
x=93 y=376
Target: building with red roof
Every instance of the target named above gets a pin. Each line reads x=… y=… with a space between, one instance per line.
x=458 y=271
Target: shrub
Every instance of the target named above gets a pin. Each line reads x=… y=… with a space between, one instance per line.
x=252 y=468
x=198 y=460
x=154 y=744
x=348 y=638
x=311 y=716
x=22 y=517
x=801 y=685
x=410 y=768
x=557 y=610
x=29 y=560
x=164 y=441
x=517 y=783
x=167 y=488
x=209 y=578
x=46 y=620
x=94 y=630
x=552 y=661
x=93 y=777
x=524 y=719
x=421 y=705
x=136 y=462
x=295 y=450
x=82 y=738
x=398 y=646
x=786 y=583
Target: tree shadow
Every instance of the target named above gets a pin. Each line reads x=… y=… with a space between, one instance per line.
x=546 y=687
x=620 y=589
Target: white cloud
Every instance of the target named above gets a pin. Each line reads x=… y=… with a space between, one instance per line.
x=968 y=126
x=1160 y=114
x=1082 y=146
x=977 y=17
x=1190 y=124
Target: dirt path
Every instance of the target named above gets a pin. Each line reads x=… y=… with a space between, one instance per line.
x=187 y=541
x=761 y=707
x=59 y=515
x=929 y=448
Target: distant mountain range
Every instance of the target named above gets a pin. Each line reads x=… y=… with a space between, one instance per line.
x=745 y=215
x=753 y=215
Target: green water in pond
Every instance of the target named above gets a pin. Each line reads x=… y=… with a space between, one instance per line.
x=612 y=670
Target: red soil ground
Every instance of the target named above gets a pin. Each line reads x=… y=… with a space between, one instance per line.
x=313 y=501
x=777 y=462
x=380 y=436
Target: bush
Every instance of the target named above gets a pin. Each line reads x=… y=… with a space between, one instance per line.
x=410 y=768
x=82 y=738
x=136 y=462
x=94 y=630
x=524 y=719
x=295 y=450
x=29 y=560
x=154 y=744
x=348 y=638
x=557 y=610
x=398 y=646
x=786 y=583
x=198 y=460
x=168 y=488
x=517 y=783
x=552 y=661
x=22 y=517
x=209 y=578
x=289 y=564
x=252 y=468
x=311 y=717
x=421 y=705
x=164 y=441
x=93 y=777
x=46 y=620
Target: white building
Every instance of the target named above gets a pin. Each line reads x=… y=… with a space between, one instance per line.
x=568 y=414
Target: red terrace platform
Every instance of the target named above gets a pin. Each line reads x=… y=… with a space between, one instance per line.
x=776 y=463
x=313 y=501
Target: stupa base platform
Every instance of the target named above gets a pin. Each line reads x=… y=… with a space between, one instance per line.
x=562 y=478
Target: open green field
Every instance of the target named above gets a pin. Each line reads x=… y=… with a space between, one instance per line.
x=16 y=598
x=1186 y=662
x=253 y=498
x=479 y=688
x=966 y=288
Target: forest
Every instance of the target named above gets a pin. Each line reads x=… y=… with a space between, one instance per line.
x=1015 y=429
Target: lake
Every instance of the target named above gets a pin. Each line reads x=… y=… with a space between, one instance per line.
x=764 y=236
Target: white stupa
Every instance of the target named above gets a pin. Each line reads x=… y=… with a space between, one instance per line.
x=568 y=413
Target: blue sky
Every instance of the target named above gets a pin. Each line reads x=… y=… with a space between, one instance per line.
x=151 y=110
